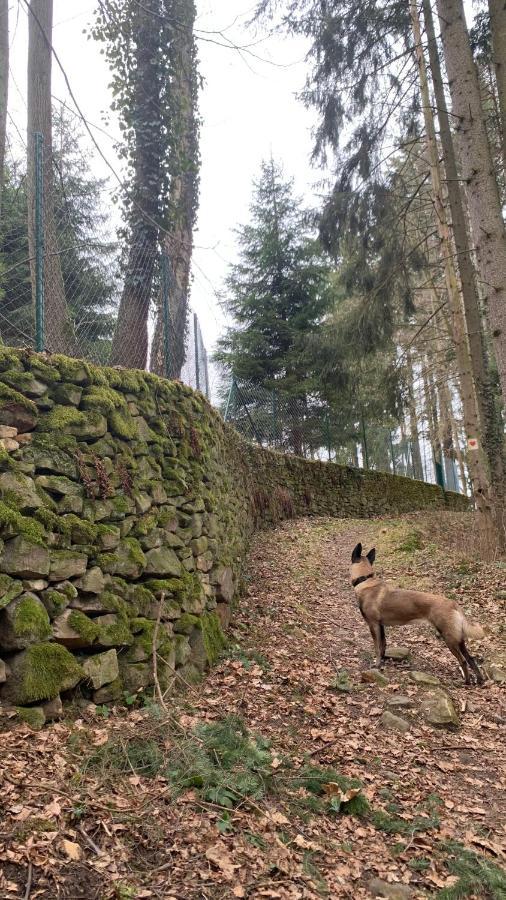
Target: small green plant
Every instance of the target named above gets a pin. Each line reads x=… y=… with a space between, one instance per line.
x=248 y=658
x=392 y=824
x=103 y=711
x=332 y=791
x=342 y=682
x=411 y=542
x=225 y=824
x=223 y=761
x=477 y=875
x=144 y=757
x=419 y=864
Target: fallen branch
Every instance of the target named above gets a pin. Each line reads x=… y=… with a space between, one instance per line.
x=28 y=887
x=91 y=843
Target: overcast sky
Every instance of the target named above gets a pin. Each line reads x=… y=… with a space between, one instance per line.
x=249 y=109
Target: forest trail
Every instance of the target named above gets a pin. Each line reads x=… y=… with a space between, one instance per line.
x=89 y=805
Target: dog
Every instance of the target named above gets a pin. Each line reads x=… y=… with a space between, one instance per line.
x=382 y=605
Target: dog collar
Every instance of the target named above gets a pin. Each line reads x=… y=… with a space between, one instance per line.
x=357 y=581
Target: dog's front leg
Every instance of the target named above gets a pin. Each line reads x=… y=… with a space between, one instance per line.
x=375 y=630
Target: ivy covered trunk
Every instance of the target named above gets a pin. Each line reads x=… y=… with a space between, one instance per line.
x=144 y=119
x=4 y=84
x=477 y=171
x=497 y=10
x=59 y=330
x=177 y=243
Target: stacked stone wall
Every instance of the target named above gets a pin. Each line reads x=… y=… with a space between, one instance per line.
x=126 y=510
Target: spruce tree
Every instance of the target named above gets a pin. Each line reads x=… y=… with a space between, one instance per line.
x=277 y=292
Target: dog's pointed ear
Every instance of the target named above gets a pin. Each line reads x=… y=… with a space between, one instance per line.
x=371 y=556
x=357 y=553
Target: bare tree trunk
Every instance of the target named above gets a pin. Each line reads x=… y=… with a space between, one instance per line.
x=4 y=87
x=497 y=10
x=59 y=333
x=130 y=341
x=178 y=242
x=416 y=456
x=485 y=213
x=479 y=477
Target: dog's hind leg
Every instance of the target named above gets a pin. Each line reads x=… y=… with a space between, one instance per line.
x=461 y=659
x=375 y=630
x=471 y=661
x=383 y=642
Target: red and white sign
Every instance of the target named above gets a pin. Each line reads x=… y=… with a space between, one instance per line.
x=472 y=443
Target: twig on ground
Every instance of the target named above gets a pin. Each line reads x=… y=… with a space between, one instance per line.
x=91 y=843
x=28 y=887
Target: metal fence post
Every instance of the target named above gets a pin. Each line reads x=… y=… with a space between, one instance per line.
x=196 y=342
x=364 y=444
x=39 y=241
x=166 y=313
x=229 y=400
x=392 y=452
x=274 y=419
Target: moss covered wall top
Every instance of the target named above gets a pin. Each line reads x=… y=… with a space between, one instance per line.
x=123 y=498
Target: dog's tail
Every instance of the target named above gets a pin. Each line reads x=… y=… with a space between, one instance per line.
x=472 y=630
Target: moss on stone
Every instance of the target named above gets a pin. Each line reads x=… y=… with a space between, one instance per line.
x=47 y=373
x=135 y=552
x=115 y=634
x=47 y=669
x=61 y=417
x=14 y=523
x=213 y=637
x=55 y=602
x=122 y=424
x=10 y=588
x=32 y=716
x=73 y=370
x=10 y=396
x=187 y=623
x=8 y=358
x=105 y=399
x=83 y=626
x=31 y=619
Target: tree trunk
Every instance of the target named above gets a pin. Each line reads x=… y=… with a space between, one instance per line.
x=178 y=242
x=130 y=341
x=4 y=87
x=487 y=226
x=472 y=421
x=497 y=10
x=59 y=333
x=416 y=456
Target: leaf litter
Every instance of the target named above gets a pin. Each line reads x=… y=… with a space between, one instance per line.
x=275 y=778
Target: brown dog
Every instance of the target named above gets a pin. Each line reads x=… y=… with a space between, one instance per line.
x=382 y=605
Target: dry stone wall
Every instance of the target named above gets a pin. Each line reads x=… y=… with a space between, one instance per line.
x=126 y=507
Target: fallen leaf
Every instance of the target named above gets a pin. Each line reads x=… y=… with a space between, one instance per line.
x=72 y=850
x=220 y=857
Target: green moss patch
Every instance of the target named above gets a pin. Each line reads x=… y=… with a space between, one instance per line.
x=213 y=637
x=83 y=626
x=30 y=619
x=41 y=672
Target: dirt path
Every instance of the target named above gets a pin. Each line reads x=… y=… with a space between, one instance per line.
x=292 y=675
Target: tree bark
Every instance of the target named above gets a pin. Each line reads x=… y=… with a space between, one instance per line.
x=416 y=456
x=178 y=242
x=4 y=87
x=497 y=10
x=130 y=341
x=472 y=421
x=59 y=332
x=487 y=225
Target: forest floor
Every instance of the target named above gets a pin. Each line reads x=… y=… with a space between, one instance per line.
x=278 y=776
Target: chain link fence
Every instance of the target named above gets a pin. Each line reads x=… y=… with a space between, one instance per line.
x=307 y=427
x=64 y=267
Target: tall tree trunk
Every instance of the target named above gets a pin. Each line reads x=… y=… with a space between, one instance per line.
x=4 y=87
x=178 y=242
x=497 y=10
x=416 y=456
x=487 y=225
x=472 y=420
x=59 y=333
x=130 y=341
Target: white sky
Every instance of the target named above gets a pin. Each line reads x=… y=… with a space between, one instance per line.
x=249 y=110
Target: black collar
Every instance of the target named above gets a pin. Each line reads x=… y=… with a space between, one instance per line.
x=357 y=581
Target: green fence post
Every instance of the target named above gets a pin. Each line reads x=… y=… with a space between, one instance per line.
x=364 y=439
x=392 y=452
x=166 y=313
x=196 y=341
x=327 y=430
x=274 y=419
x=39 y=241
x=229 y=400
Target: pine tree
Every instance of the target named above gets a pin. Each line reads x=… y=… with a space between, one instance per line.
x=278 y=291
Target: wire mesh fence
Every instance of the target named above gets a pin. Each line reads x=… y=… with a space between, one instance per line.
x=307 y=427
x=68 y=273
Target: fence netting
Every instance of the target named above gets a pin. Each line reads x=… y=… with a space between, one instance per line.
x=66 y=261
x=307 y=427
